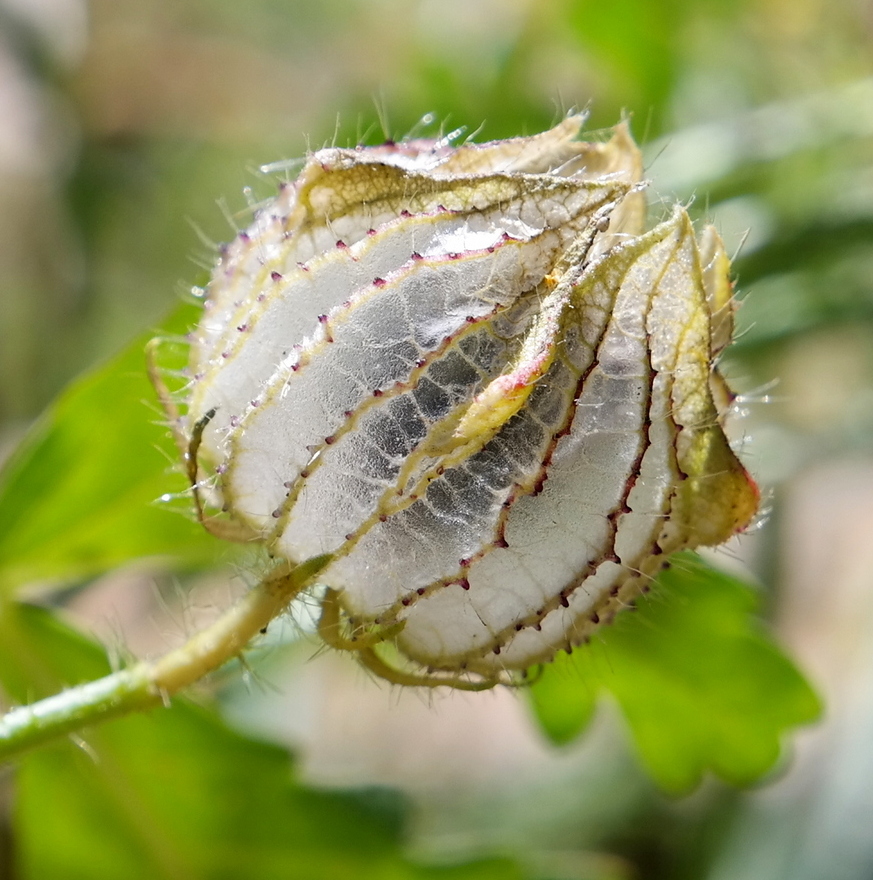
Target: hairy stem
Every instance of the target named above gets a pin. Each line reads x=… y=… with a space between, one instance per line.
x=149 y=684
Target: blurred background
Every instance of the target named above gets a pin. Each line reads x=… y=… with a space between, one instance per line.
x=128 y=132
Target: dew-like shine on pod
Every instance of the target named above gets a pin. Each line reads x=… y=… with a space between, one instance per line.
x=470 y=375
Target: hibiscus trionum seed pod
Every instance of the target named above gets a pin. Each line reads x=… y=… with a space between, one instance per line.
x=469 y=375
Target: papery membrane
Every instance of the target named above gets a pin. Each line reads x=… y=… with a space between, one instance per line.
x=467 y=374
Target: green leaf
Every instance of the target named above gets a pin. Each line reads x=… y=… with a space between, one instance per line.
x=700 y=684
x=78 y=496
x=177 y=794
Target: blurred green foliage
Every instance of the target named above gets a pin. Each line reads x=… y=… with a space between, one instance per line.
x=181 y=795
x=96 y=492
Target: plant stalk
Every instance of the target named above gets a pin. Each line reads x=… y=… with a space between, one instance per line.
x=146 y=685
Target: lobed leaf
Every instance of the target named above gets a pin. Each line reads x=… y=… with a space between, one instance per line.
x=701 y=686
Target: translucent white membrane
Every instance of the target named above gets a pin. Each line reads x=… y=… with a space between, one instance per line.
x=265 y=329
x=576 y=536
x=465 y=373
x=368 y=348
